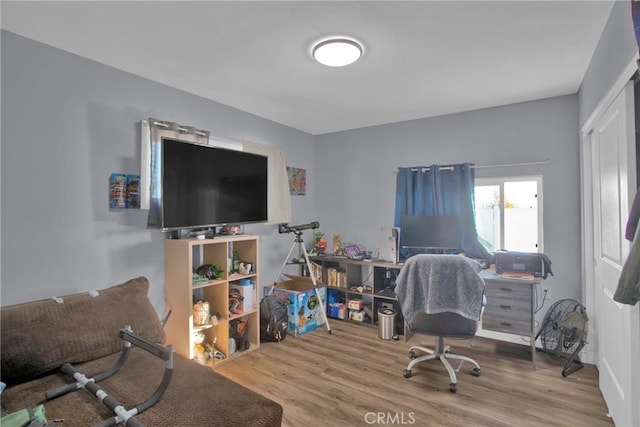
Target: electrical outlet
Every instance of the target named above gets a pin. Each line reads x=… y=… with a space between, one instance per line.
x=547 y=295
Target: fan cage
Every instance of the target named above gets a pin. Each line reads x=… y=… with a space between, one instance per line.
x=564 y=329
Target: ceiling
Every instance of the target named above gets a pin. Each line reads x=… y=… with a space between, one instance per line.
x=422 y=58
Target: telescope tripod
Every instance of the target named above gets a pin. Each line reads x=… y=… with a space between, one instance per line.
x=298 y=242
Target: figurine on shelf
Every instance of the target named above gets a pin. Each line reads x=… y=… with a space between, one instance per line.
x=198 y=337
x=200 y=354
x=210 y=271
x=321 y=247
x=319 y=243
x=235 y=301
x=245 y=268
x=337 y=245
x=238 y=333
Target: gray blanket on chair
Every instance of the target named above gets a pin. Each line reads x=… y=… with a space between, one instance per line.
x=440 y=283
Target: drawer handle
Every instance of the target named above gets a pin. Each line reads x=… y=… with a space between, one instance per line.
x=506 y=289
x=505 y=324
x=508 y=307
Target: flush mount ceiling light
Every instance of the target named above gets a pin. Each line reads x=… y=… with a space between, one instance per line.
x=337 y=51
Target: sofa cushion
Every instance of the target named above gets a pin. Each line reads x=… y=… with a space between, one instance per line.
x=197 y=396
x=41 y=336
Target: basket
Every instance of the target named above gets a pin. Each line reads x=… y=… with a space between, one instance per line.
x=201 y=313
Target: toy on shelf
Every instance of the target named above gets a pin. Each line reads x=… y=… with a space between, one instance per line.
x=238 y=334
x=319 y=243
x=338 y=250
x=210 y=271
x=235 y=302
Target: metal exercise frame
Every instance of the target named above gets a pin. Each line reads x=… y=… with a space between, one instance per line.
x=122 y=415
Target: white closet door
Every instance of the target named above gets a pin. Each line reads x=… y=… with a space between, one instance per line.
x=613 y=184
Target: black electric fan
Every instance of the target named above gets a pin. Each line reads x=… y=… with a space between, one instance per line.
x=564 y=333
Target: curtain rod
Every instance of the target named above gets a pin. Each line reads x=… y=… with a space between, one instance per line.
x=502 y=165
x=495 y=165
x=180 y=128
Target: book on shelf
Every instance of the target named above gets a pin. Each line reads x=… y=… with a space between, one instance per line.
x=316 y=271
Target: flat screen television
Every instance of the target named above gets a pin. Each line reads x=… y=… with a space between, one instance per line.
x=430 y=232
x=206 y=186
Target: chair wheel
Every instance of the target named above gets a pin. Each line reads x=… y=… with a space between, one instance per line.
x=475 y=372
x=453 y=387
x=407 y=373
x=412 y=354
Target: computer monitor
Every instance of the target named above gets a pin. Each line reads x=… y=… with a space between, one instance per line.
x=430 y=232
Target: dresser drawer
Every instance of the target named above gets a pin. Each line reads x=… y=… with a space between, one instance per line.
x=507 y=315
x=509 y=291
x=497 y=324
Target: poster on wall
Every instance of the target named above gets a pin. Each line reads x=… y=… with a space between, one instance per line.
x=124 y=191
x=297 y=181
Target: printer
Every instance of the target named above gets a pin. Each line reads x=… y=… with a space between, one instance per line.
x=536 y=264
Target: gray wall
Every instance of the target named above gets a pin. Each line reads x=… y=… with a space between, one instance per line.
x=356 y=180
x=616 y=49
x=67 y=124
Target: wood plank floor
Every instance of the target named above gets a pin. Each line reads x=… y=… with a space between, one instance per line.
x=353 y=378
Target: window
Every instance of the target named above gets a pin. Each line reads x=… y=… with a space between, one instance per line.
x=509 y=213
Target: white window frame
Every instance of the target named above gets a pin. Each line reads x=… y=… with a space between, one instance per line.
x=500 y=181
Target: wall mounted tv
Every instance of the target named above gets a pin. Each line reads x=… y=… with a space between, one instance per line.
x=205 y=186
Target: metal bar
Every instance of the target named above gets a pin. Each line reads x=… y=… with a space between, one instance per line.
x=496 y=165
x=155 y=349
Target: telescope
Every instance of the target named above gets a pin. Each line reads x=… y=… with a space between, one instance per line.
x=302 y=260
x=285 y=228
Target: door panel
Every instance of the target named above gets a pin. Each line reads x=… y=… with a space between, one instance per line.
x=609 y=179
x=610 y=168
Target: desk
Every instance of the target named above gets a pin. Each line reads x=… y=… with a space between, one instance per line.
x=510 y=307
x=510 y=301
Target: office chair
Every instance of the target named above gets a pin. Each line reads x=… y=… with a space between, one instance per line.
x=442 y=296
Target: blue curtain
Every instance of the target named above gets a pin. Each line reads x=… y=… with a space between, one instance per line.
x=441 y=190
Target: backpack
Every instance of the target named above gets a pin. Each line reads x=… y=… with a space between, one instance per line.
x=274 y=319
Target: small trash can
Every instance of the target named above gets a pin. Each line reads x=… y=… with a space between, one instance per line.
x=386 y=323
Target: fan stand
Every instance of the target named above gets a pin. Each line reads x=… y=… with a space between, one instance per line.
x=573 y=363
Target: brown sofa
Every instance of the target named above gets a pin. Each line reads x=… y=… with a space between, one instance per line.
x=38 y=337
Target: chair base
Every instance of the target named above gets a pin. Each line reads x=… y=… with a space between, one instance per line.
x=442 y=353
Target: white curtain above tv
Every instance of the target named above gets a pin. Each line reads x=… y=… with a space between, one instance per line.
x=278 y=196
x=152 y=132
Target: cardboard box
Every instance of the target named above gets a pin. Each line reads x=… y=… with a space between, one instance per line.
x=336 y=310
x=356 y=304
x=304 y=309
x=356 y=315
